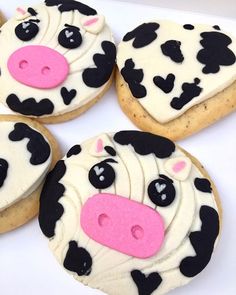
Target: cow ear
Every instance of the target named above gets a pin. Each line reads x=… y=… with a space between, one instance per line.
x=93 y=23
x=98 y=146
x=21 y=13
x=179 y=168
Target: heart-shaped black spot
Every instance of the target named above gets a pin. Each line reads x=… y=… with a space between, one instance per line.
x=146 y=284
x=166 y=85
x=67 y=95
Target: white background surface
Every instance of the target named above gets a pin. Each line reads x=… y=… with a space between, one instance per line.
x=26 y=264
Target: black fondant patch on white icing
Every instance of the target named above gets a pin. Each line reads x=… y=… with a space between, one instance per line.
x=78 y=260
x=38 y=147
x=142 y=35
x=215 y=52
x=50 y=209
x=165 y=84
x=172 y=49
x=68 y=95
x=96 y=77
x=146 y=284
x=3 y=171
x=30 y=106
x=203 y=242
x=190 y=91
x=146 y=143
x=134 y=77
x=71 y=5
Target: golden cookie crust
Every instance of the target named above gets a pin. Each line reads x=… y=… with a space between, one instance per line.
x=24 y=210
x=192 y=121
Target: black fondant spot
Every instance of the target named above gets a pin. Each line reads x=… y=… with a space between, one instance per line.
x=216 y=28
x=166 y=85
x=98 y=76
x=70 y=37
x=71 y=5
x=172 y=49
x=215 y=52
x=110 y=150
x=32 y=11
x=68 y=95
x=146 y=284
x=143 y=35
x=38 y=147
x=3 y=171
x=27 y=30
x=78 y=260
x=50 y=209
x=30 y=106
x=203 y=185
x=134 y=77
x=190 y=90
x=75 y=150
x=102 y=175
x=161 y=191
x=203 y=242
x=146 y=143
x=188 y=27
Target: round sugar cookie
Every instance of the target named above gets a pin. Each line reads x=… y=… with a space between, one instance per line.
x=57 y=60
x=27 y=152
x=175 y=79
x=130 y=213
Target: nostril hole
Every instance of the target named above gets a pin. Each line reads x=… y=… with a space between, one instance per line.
x=103 y=220
x=23 y=64
x=46 y=70
x=137 y=232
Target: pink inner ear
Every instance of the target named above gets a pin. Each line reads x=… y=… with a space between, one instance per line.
x=99 y=145
x=90 y=22
x=21 y=10
x=179 y=166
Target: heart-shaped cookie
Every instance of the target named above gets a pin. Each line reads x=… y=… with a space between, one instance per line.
x=176 y=78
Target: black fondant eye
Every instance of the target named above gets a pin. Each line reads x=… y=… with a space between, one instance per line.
x=102 y=175
x=26 y=31
x=161 y=191
x=70 y=37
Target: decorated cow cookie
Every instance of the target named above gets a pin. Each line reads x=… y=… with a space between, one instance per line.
x=130 y=213
x=27 y=152
x=57 y=60
x=176 y=79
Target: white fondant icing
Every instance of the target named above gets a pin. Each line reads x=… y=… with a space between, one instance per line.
x=22 y=178
x=134 y=172
x=151 y=59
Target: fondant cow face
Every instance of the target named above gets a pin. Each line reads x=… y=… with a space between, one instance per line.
x=170 y=67
x=55 y=58
x=129 y=212
x=25 y=157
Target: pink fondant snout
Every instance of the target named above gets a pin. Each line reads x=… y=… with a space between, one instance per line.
x=123 y=225
x=38 y=67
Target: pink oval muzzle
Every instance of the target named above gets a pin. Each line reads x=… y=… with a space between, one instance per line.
x=38 y=66
x=123 y=225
